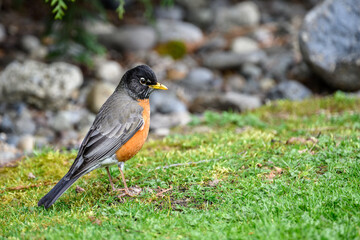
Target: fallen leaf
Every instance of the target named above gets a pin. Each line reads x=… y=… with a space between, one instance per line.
x=162 y=191
x=271 y=175
x=31 y=176
x=214 y=182
x=278 y=170
x=79 y=189
x=275 y=172
x=95 y=220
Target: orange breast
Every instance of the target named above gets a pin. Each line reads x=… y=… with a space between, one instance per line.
x=133 y=146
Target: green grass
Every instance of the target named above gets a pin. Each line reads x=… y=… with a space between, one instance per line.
x=284 y=171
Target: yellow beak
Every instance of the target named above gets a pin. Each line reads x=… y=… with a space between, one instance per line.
x=159 y=86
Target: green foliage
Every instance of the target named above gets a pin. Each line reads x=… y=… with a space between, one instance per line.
x=175 y=49
x=345 y=98
x=148 y=8
x=59 y=7
x=120 y=9
x=71 y=38
x=167 y=3
x=258 y=183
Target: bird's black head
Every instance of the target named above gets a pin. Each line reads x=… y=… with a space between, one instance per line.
x=140 y=82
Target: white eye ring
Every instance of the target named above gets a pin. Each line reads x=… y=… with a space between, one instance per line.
x=142 y=81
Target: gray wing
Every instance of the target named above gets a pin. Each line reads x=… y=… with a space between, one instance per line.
x=117 y=121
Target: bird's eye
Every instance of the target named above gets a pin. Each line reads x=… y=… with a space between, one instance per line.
x=142 y=81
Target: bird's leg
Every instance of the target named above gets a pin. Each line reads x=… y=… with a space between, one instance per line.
x=121 y=168
x=110 y=180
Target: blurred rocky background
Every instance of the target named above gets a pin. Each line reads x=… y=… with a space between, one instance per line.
x=212 y=54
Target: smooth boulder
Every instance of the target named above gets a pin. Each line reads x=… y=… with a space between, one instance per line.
x=330 y=40
x=42 y=85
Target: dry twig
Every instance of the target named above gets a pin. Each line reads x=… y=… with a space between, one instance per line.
x=164 y=191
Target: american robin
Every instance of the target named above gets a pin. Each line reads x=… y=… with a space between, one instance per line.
x=117 y=133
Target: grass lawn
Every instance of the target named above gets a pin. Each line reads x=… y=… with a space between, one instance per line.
x=285 y=171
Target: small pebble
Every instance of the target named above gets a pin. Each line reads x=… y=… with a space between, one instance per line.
x=79 y=189
x=26 y=143
x=214 y=182
x=31 y=176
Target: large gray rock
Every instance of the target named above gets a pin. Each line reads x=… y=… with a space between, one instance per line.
x=251 y=71
x=98 y=94
x=130 y=38
x=68 y=119
x=161 y=121
x=330 y=40
x=26 y=143
x=175 y=30
x=225 y=101
x=198 y=12
x=241 y=14
x=212 y=44
x=235 y=82
x=244 y=45
x=280 y=10
x=39 y=84
x=199 y=79
x=278 y=62
x=193 y=4
x=32 y=45
x=226 y=60
x=202 y=17
x=8 y=154
x=87 y=119
x=108 y=70
x=177 y=71
x=16 y=119
x=2 y=33
x=6 y=124
x=24 y=123
x=98 y=27
x=30 y=42
x=173 y=12
x=291 y=90
x=63 y=120
x=166 y=102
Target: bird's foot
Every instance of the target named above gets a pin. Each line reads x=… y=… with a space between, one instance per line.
x=125 y=192
x=131 y=192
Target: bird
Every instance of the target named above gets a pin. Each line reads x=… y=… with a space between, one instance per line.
x=118 y=132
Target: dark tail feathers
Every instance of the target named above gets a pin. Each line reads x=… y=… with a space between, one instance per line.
x=57 y=191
